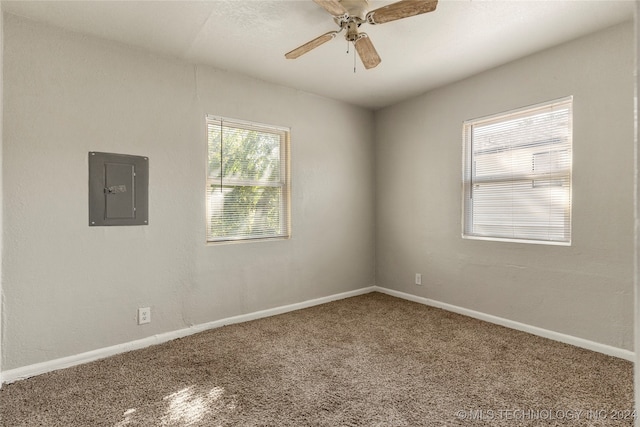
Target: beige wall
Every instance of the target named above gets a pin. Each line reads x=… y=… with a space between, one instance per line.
x=70 y=288
x=585 y=290
x=1 y=192
x=637 y=218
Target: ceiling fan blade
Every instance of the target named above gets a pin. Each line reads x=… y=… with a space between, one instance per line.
x=401 y=9
x=367 y=52
x=310 y=45
x=334 y=7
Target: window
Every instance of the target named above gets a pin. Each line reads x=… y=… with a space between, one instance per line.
x=517 y=175
x=247 y=181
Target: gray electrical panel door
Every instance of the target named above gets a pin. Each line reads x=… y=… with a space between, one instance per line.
x=118 y=189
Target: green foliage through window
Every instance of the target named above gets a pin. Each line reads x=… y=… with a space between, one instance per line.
x=247 y=182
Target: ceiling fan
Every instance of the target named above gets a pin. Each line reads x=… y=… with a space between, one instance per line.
x=350 y=14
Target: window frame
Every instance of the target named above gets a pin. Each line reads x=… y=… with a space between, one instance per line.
x=284 y=183
x=468 y=168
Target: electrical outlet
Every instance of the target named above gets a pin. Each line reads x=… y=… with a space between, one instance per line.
x=144 y=315
x=418 y=279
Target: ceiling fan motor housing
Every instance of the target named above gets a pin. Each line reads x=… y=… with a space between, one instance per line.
x=356 y=8
x=352 y=31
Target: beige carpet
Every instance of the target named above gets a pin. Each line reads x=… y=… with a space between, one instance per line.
x=372 y=360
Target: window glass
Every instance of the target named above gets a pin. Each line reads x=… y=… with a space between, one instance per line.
x=517 y=175
x=247 y=181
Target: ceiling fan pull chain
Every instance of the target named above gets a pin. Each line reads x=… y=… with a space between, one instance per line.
x=354 y=61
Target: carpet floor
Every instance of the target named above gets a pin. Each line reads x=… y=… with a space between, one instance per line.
x=371 y=360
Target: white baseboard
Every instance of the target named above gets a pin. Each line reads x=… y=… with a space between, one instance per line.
x=23 y=372
x=545 y=333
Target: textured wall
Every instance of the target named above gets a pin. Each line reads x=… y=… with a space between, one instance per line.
x=70 y=288
x=585 y=290
x=1 y=192
x=637 y=220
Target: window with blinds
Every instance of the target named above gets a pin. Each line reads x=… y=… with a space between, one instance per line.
x=247 y=193
x=517 y=175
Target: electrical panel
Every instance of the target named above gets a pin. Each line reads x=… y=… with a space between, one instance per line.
x=118 y=189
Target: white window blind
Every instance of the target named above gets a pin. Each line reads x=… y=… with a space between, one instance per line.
x=517 y=175
x=247 y=193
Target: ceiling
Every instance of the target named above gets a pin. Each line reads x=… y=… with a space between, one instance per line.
x=459 y=39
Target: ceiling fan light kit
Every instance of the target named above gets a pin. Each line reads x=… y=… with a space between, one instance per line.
x=350 y=14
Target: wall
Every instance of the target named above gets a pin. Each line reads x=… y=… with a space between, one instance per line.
x=585 y=290
x=636 y=272
x=1 y=192
x=70 y=288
